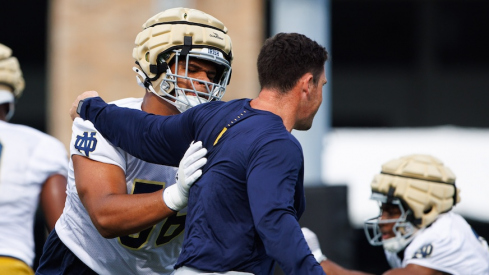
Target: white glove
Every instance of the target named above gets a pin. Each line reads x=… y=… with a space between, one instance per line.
x=176 y=196
x=313 y=243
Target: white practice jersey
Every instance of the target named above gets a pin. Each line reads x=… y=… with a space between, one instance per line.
x=449 y=245
x=28 y=158
x=152 y=251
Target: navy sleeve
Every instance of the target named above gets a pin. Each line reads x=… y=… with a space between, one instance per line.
x=152 y=138
x=273 y=180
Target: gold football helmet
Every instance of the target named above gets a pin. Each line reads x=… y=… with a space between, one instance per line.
x=180 y=34
x=421 y=186
x=11 y=76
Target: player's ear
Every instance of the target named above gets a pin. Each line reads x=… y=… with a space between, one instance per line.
x=306 y=82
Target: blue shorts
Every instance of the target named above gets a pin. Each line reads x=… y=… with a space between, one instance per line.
x=56 y=259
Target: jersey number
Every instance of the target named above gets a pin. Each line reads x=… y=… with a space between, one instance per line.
x=172 y=226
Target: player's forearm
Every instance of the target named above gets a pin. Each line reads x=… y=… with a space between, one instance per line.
x=53 y=197
x=332 y=268
x=121 y=214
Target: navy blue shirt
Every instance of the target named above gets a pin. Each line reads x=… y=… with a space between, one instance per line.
x=243 y=212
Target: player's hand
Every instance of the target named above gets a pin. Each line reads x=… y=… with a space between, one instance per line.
x=176 y=196
x=74 y=106
x=313 y=243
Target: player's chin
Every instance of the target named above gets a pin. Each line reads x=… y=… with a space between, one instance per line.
x=303 y=126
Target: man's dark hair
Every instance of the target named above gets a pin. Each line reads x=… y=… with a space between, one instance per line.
x=286 y=57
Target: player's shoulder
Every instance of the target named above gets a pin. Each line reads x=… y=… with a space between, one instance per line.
x=28 y=139
x=19 y=128
x=130 y=102
x=447 y=223
x=80 y=125
x=448 y=230
x=26 y=132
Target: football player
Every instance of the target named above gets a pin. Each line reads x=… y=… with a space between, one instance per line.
x=33 y=168
x=419 y=232
x=124 y=215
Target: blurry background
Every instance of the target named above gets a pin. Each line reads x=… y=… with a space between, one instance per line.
x=405 y=76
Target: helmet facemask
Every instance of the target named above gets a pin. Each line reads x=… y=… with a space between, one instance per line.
x=184 y=98
x=403 y=229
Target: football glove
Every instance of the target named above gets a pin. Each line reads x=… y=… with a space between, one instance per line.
x=313 y=243
x=176 y=195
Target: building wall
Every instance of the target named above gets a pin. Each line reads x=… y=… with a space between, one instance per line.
x=90 y=48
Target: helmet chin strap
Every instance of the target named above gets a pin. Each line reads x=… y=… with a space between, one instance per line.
x=397 y=243
x=10 y=113
x=191 y=101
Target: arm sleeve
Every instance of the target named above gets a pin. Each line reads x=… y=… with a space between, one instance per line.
x=152 y=138
x=88 y=142
x=272 y=181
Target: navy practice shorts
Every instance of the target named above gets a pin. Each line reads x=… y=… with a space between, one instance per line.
x=57 y=259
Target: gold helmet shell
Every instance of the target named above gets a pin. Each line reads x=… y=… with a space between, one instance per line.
x=422 y=182
x=10 y=72
x=167 y=30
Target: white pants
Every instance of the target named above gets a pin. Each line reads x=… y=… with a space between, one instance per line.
x=192 y=271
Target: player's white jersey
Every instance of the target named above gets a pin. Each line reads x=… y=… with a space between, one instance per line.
x=449 y=245
x=28 y=158
x=152 y=251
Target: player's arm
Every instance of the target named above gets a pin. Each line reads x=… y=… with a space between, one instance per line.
x=102 y=190
x=152 y=138
x=49 y=165
x=411 y=269
x=330 y=267
x=53 y=197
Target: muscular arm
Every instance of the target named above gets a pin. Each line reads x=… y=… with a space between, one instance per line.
x=53 y=196
x=332 y=268
x=412 y=269
x=329 y=267
x=102 y=190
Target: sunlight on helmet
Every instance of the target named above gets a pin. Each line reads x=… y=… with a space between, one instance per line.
x=177 y=35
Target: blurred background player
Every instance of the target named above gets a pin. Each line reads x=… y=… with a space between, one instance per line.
x=419 y=232
x=117 y=218
x=33 y=168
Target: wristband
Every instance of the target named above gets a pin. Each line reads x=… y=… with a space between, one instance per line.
x=319 y=256
x=80 y=104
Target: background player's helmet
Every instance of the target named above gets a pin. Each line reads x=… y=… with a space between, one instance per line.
x=10 y=75
x=179 y=34
x=422 y=186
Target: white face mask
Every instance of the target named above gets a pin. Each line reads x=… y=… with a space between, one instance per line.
x=396 y=244
x=404 y=230
x=185 y=102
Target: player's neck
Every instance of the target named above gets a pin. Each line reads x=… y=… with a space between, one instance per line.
x=283 y=105
x=155 y=105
